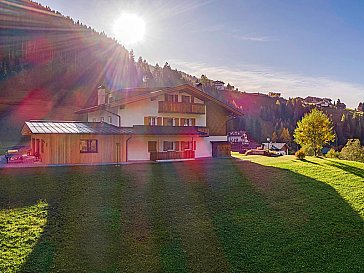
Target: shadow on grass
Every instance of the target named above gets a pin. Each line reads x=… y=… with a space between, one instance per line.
x=347 y=168
x=207 y=214
x=308 y=161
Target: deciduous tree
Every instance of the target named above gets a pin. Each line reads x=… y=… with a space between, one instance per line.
x=314 y=130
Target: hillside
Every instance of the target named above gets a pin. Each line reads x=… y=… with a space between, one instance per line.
x=266 y=115
x=50 y=66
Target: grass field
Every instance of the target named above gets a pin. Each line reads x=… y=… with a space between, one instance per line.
x=256 y=215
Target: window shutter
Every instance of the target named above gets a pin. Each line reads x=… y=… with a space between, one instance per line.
x=194 y=145
x=176 y=121
x=165 y=121
x=166 y=97
x=146 y=120
x=165 y=146
x=176 y=98
x=152 y=146
x=177 y=145
x=182 y=122
x=192 y=99
x=159 y=121
x=193 y=122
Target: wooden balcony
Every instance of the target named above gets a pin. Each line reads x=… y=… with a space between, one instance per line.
x=181 y=107
x=172 y=155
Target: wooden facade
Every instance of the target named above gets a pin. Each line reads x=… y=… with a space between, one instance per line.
x=216 y=119
x=65 y=148
x=180 y=107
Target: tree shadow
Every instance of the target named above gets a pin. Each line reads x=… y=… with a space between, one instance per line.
x=347 y=168
x=257 y=218
x=308 y=161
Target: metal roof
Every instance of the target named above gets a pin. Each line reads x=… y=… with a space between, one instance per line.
x=76 y=127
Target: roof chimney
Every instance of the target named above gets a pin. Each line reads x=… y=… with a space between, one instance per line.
x=101 y=95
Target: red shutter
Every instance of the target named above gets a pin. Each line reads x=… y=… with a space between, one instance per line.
x=177 y=145
x=146 y=120
x=182 y=122
x=193 y=122
x=194 y=145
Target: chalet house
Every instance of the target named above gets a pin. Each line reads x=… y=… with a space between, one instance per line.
x=277 y=147
x=138 y=124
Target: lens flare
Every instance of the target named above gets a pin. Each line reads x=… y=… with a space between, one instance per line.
x=129 y=29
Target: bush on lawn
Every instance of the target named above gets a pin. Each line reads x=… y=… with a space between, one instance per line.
x=332 y=153
x=300 y=154
x=353 y=151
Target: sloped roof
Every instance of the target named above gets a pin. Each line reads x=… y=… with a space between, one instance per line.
x=275 y=145
x=125 y=96
x=73 y=127
x=102 y=128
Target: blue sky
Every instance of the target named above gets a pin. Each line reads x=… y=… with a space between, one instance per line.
x=299 y=48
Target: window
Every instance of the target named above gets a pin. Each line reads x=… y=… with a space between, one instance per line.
x=110 y=119
x=88 y=146
x=171 y=98
x=186 y=99
x=168 y=146
x=189 y=122
x=102 y=119
x=152 y=121
x=168 y=121
x=188 y=145
x=94 y=120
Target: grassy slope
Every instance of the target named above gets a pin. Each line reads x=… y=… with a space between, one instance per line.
x=262 y=215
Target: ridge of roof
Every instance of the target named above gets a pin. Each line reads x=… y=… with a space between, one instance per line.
x=129 y=97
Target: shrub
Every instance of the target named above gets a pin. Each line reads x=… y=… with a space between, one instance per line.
x=308 y=150
x=332 y=154
x=353 y=151
x=300 y=154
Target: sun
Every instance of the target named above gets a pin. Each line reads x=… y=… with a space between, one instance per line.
x=129 y=29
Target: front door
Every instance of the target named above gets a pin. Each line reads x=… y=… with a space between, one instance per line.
x=118 y=153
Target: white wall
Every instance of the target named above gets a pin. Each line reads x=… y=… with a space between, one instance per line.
x=138 y=145
x=204 y=146
x=134 y=113
x=100 y=113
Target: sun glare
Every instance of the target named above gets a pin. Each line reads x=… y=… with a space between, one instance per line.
x=129 y=29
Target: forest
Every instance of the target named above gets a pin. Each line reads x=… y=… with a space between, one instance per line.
x=51 y=65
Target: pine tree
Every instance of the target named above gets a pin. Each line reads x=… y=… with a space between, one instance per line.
x=274 y=136
x=285 y=136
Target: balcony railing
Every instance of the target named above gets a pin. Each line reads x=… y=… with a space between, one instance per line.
x=181 y=107
x=172 y=155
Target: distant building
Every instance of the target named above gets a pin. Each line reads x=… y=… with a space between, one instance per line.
x=318 y=102
x=274 y=94
x=361 y=107
x=340 y=105
x=276 y=146
x=219 y=85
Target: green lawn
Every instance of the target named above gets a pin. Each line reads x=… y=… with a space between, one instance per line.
x=253 y=215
